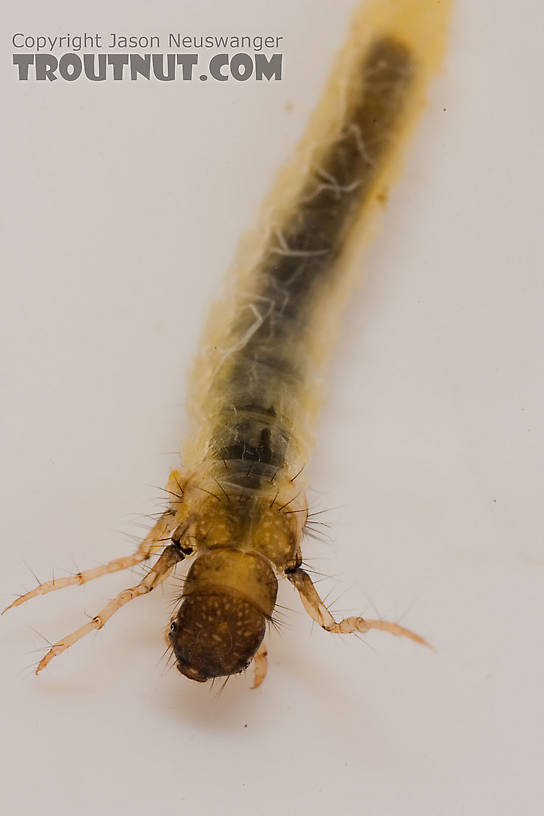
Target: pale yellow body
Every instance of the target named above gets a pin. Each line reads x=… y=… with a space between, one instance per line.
x=420 y=24
x=239 y=504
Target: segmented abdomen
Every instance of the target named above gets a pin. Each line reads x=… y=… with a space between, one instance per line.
x=266 y=370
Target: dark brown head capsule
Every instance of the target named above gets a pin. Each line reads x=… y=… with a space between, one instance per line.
x=228 y=597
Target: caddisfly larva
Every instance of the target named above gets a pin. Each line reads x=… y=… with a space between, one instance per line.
x=238 y=506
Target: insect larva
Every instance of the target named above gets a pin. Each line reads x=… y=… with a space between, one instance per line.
x=238 y=507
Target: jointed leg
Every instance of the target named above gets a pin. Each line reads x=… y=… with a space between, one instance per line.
x=260 y=665
x=317 y=610
x=154 y=542
x=157 y=574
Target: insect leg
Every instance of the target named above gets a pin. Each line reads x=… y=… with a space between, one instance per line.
x=317 y=610
x=159 y=533
x=260 y=666
x=156 y=575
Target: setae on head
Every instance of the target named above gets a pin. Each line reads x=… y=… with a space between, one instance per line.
x=228 y=596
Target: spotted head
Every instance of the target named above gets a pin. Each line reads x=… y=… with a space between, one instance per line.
x=228 y=597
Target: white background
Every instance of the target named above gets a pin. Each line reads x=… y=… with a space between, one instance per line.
x=122 y=207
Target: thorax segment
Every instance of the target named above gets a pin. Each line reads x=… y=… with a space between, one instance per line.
x=213 y=510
